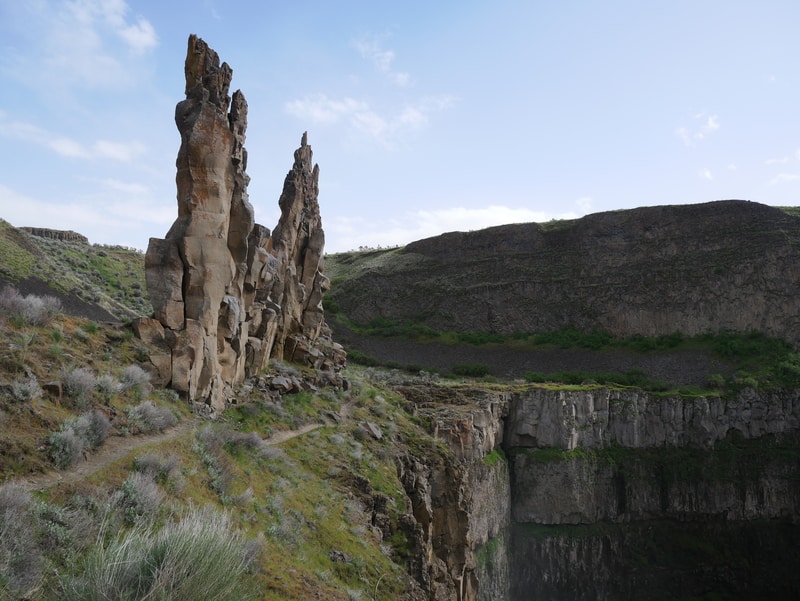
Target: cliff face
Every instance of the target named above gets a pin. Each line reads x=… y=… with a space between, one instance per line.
x=651 y=271
x=460 y=500
x=554 y=494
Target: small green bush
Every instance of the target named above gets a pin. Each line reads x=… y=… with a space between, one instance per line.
x=471 y=370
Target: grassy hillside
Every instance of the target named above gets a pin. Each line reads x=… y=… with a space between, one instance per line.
x=100 y=469
x=82 y=275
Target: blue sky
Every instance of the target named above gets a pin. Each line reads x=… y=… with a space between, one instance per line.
x=424 y=117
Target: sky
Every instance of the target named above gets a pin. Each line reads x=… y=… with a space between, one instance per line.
x=424 y=117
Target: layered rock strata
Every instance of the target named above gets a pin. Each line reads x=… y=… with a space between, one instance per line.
x=228 y=294
x=725 y=265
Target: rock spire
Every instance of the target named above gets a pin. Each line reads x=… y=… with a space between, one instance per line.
x=227 y=294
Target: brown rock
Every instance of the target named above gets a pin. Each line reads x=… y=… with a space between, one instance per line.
x=229 y=295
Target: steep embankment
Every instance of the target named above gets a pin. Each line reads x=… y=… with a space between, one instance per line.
x=651 y=271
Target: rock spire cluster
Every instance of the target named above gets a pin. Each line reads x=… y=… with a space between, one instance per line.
x=227 y=294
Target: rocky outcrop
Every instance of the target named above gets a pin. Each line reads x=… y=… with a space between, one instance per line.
x=727 y=265
x=227 y=295
x=459 y=494
x=61 y=235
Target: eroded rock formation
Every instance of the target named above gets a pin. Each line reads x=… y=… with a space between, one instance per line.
x=227 y=294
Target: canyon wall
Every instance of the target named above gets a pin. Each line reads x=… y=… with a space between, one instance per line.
x=726 y=265
x=548 y=493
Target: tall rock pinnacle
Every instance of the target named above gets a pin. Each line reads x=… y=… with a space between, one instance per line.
x=226 y=294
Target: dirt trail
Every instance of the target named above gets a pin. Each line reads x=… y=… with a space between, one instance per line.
x=113 y=449
x=117 y=447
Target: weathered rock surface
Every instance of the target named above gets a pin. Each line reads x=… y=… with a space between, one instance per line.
x=229 y=295
x=652 y=271
x=460 y=501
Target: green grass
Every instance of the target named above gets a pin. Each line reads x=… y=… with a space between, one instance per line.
x=110 y=276
x=733 y=459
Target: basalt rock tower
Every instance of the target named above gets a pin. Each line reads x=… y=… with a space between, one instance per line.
x=227 y=294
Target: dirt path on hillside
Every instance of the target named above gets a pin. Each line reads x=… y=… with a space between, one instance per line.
x=113 y=449
x=117 y=447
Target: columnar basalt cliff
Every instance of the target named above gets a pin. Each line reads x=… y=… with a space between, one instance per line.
x=227 y=294
x=547 y=493
x=62 y=235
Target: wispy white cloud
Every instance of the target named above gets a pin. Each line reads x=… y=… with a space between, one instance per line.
x=370 y=49
x=777 y=161
x=703 y=125
x=585 y=204
x=68 y=147
x=129 y=211
x=96 y=15
x=320 y=109
x=87 y=43
x=784 y=177
x=347 y=233
x=360 y=116
x=705 y=173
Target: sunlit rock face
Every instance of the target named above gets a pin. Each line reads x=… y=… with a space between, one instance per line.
x=227 y=294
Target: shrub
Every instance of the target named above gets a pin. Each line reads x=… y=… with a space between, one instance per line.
x=31 y=309
x=147 y=417
x=156 y=466
x=108 y=386
x=65 y=447
x=93 y=428
x=26 y=390
x=139 y=498
x=471 y=370
x=200 y=557
x=135 y=379
x=78 y=383
x=165 y=471
x=86 y=432
x=21 y=561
